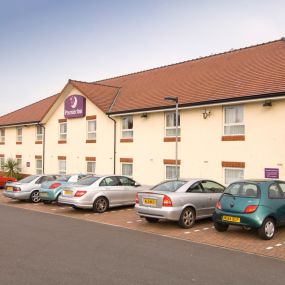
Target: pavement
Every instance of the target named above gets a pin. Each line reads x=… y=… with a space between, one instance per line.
x=203 y=232
x=40 y=248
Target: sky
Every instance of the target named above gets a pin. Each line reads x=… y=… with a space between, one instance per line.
x=43 y=43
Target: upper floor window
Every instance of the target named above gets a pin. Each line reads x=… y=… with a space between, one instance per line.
x=40 y=133
x=233 y=120
x=62 y=131
x=2 y=135
x=91 y=129
x=127 y=127
x=170 y=124
x=19 y=132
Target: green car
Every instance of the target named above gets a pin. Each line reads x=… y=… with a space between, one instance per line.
x=257 y=204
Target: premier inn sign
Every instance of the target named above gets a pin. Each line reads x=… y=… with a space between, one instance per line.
x=74 y=107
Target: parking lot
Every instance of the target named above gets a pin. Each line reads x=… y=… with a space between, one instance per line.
x=202 y=232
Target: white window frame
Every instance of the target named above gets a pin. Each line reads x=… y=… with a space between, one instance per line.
x=62 y=135
x=19 y=138
x=2 y=161
x=132 y=169
x=20 y=164
x=125 y=131
x=93 y=166
x=39 y=170
x=233 y=124
x=62 y=166
x=91 y=135
x=233 y=168
x=167 y=128
x=2 y=135
x=39 y=135
x=174 y=167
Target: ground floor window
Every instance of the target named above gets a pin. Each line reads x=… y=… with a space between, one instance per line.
x=19 y=162
x=39 y=166
x=62 y=166
x=91 y=166
x=233 y=174
x=127 y=169
x=2 y=161
x=170 y=171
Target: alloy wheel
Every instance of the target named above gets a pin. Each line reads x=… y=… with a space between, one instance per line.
x=101 y=205
x=35 y=197
x=269 y=229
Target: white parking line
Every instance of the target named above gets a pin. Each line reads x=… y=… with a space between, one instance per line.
x=53 y=209
x=270 y=247
x=187 y=232
x=129 y=222
x=139 y=220
x=205 y=229
x=196 y=230
x=278 y=244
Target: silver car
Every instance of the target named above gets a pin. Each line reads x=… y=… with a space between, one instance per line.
x=100 y=192
x=179 y=200
x=27 y=188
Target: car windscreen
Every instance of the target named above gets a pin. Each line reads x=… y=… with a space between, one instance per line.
x=169 y=186
x=243 y=190
x=87 y=180
x=28 y=179
x=63 y=178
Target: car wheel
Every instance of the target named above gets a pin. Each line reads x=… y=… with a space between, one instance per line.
x=220 y=227
x=151 y=220
x=100 y=205
x=56 y=199
x=187 y=218
x=267 y=230
x=35 y=197
x=46 y=202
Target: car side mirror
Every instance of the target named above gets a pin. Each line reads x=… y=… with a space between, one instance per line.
x=137 y=184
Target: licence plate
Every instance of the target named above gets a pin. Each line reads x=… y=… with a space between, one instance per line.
x=44 y=194
x=231 y=219
x=9 y=188
x=67 y=192
x=150 y=202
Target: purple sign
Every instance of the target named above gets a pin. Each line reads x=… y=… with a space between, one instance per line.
x=74 y=107
x=271 y=173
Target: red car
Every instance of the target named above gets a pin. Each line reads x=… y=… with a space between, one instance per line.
x=4 y=180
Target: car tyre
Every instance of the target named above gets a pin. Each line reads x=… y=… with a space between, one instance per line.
x=56 y=199
x=187 y=218
x=220 y=227
x=151 y=220
x=35 y=196
x=267 y=230
x=100 y=205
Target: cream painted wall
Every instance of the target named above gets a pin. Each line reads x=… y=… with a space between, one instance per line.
x=76 y=148
x=201 y=149
x=28 y=149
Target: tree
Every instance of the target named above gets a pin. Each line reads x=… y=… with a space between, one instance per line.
x=11 y=168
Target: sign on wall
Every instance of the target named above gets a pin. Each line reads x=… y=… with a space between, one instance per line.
x=271 y=173
x=74 y=107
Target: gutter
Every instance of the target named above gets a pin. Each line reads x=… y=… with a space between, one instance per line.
x=20 y=124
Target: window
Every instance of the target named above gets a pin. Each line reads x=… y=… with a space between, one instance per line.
x=39 y=166
x=233 y=174
x=19 y=132
x=233 y=120
x=62 y=166
x=125 y=181
x=2 y=135
x=40 y=133
x=274 y=192
x=170 y=186
x=196 y=188
x=212 y=187
x=127 y=169
x=170 y=124
x=282 y=186
x=91 y=130
x=91 y=166
x=62 y=131
x=170 y=171
x=244 y=190
x=127 y=127
x=110 y=181
x=2 y=161
x=19 y=162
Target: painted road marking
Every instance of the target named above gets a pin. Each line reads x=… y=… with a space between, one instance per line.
x=278 y=244
x=129 y=222
x=205 y=229
x=196 y=230
x=186 y=232
x=270 y=247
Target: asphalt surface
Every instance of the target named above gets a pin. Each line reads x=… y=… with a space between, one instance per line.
x=38 y=248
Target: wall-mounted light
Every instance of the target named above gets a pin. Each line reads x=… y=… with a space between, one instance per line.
x=206 y=114
x=144 y=115
x=267 y=103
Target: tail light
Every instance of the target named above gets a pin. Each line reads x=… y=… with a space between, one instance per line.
x=16 y=189
x=54 y=185
x=219 y=205
x=79 y=193
x=137 y=198
x=250 y=209
x=166 y=201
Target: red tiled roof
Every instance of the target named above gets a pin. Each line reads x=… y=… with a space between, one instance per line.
x=101 y=95
x=249 y=71
x=29 y=114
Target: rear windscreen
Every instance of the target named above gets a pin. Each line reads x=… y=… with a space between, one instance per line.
x=170 y=186
x=243 y=189
x=87 y=180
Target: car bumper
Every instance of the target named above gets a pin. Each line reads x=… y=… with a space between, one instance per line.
x=253 y=220
x=47 y=196
x=165 y=213
x=17 y=195
x=71 y=201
